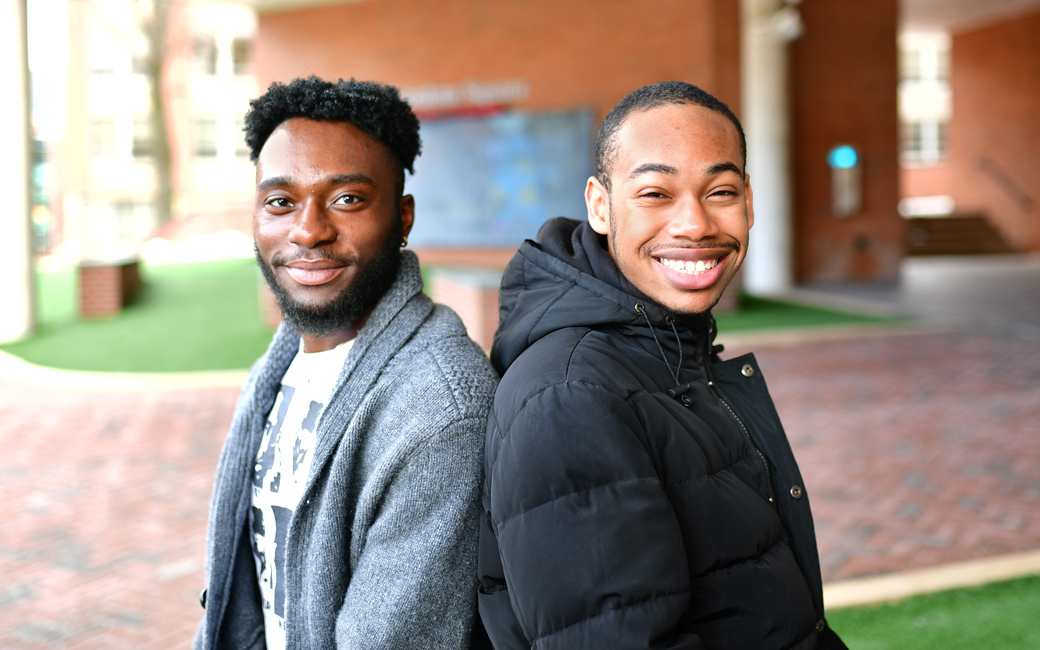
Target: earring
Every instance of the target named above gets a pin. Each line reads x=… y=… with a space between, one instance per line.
x=404 y=241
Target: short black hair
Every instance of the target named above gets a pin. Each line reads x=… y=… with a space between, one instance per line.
x=644 y=99
x=376 y=109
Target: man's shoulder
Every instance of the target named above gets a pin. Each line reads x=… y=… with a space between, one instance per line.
x=441 y=364
x=575 y=357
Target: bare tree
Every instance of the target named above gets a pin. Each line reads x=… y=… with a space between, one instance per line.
x=153 y=20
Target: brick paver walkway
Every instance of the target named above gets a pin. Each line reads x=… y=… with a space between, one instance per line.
x=103 y=499
x=916 y=450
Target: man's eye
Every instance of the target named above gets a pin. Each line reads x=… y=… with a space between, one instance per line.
x=279 y=202
x=347 y=199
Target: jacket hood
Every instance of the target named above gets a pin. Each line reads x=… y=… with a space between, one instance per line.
x=568 y=279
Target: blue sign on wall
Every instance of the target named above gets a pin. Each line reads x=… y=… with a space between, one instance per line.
x=493 y=181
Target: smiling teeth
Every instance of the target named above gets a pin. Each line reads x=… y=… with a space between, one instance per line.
x=688 y=266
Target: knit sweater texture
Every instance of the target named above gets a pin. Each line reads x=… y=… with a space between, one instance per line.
x=381 y=551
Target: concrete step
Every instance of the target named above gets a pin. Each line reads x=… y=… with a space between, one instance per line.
x=954 y=235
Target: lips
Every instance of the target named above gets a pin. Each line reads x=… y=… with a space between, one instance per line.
x=313 y=276
x=690 y=274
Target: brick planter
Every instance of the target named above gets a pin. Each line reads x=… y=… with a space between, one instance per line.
x=473 y=294
x=106 y=286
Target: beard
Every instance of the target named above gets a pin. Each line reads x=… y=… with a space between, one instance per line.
x=371 y=282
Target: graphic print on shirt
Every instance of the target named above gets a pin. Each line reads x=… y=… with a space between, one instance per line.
x=279 y=479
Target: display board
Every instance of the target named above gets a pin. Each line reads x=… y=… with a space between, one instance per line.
x=493 y=181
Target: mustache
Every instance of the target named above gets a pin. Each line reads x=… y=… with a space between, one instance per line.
x=313 y=256
x=729 y=245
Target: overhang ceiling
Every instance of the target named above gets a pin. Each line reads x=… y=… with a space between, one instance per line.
x=931 y=15
x=958 y=15
x=264 y=6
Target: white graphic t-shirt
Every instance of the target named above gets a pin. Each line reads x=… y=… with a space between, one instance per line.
x=281 y=470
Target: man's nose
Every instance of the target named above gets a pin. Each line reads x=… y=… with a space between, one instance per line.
x=313 y=226
x=692 y=220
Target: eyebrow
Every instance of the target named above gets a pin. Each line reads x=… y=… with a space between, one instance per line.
x=718 y=168
x=331 y=179
x=650 y=168
x=661 y=168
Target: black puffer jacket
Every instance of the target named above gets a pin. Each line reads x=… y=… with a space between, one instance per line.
x=619 y=516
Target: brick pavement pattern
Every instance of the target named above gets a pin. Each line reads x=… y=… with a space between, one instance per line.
x=104 y=498
x=916 y=450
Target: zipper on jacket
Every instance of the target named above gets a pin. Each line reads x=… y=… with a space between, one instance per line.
x=747 y=437
x=763 y=461
x=758 y=452
x=679 y=391
x=715 y=349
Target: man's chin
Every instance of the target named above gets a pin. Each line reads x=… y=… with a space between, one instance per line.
x=319 y=319
x=334 y=314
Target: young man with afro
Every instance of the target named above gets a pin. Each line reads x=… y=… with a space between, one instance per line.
x=345 y=510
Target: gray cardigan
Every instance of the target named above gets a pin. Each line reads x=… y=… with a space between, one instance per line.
x=381 y=552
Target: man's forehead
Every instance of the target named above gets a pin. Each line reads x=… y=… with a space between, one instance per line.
x=301 y=145
x=300 y=134
x=651 y=137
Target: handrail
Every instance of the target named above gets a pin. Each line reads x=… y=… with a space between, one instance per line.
x=1005 y=182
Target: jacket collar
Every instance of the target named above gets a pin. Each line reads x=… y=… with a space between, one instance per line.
x=567 y=279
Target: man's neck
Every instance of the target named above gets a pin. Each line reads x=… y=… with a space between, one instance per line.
x=313 y=343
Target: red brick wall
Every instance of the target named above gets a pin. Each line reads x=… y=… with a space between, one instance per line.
x=925 y=181
x=844 y=75
x=104 y=289
x=494 y=259
x=473 y=294
x=100 y=290
x=572 y=54
x=995 y=130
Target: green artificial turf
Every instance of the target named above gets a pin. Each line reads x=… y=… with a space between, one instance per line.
x=203 y=316
x=206 y=316
x=762 y=313
x=1002 y=615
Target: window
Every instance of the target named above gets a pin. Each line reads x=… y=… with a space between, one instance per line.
x=911 y=139
x=942 y=64
x=910 y=64
x=205 y=50
x=143 y=146
x=241 y=148
x=206 y=138
x=924 y=96
x=103 y=137
x=241 y=55
x=924 y=141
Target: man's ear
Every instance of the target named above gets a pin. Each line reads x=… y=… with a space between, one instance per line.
x=597 y=200
x=749 y=202
x=407 y=209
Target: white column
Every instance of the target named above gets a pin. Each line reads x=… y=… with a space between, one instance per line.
x=767 y=27
x=16 y=279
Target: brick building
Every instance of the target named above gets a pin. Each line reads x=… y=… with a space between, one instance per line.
x=587 y=54
x=99 y=141
x=809 y=79
x=971 y=94
x=995 y=130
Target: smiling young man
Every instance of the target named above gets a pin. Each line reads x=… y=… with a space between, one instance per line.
x=639 y=491
x=347 y=497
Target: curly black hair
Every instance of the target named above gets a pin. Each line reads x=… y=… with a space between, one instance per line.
x=647 y=98
x=376 y=109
